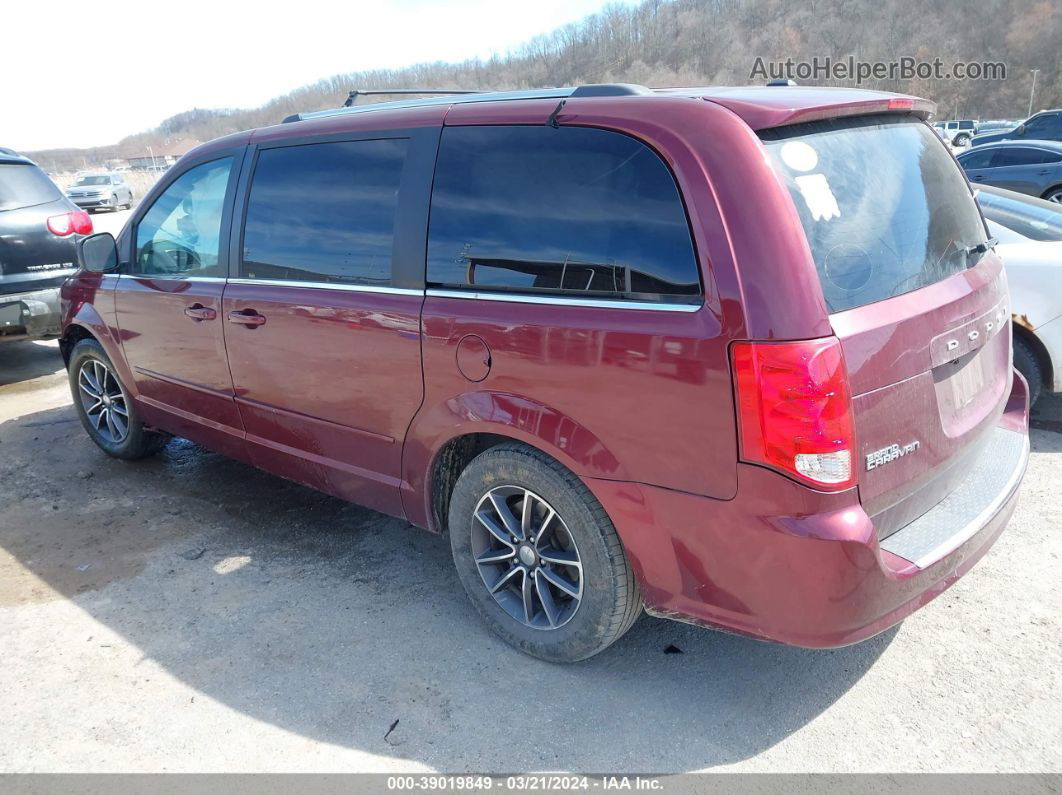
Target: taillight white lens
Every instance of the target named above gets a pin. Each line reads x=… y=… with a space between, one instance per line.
x=61 y=225
x=833 y=467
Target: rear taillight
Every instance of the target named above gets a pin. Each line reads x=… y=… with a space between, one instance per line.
x=795 y=410
x=76 y=223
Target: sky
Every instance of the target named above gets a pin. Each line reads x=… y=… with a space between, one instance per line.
x=87 y=74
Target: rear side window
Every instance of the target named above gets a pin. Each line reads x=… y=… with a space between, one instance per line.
x=559 y=211
x=884 y=208
x=324 y=212
x=24 y=185
x=1016 y=156
x=977 y=158
x=1048 y=125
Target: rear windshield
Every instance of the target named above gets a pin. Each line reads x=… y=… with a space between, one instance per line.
x=23 y=185
x=884 y=207
x=1034 y=218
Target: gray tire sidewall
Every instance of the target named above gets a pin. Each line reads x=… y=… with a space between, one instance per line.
x=135 y=443
x=584 y=635
x=1026 y=363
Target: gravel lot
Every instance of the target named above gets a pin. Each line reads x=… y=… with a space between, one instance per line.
x=188 y=613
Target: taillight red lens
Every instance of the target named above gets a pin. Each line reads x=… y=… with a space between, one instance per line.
x=78 y=222
x=795 y=410
x=81 y=221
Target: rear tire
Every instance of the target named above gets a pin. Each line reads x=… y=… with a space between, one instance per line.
x=580 y=594
x=1054 y=195
x=104 y=407
x=1028 y=364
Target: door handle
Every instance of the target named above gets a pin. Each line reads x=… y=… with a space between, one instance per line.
x=247 y=317
x=199 y=312
x=977 y=179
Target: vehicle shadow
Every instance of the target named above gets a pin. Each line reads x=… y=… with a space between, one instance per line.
x=334 y=622
x=25 y=360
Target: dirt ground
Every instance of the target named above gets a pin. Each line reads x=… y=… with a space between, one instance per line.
x=188 y=613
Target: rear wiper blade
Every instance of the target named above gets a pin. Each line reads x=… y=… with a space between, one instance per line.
x=974 y=253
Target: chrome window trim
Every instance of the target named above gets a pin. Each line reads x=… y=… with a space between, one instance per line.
x=172 y=277
x=352 y=288
x=563 y=300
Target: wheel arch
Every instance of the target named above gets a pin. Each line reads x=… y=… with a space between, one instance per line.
x=1040 y=351
x=443 y=440
x=1050 y=190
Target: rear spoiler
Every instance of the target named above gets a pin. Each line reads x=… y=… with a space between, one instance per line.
x=764 y=116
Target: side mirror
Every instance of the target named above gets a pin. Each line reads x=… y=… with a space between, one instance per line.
x=1020 y=130
x=98 y=253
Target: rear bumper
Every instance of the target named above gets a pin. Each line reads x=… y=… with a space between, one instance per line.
x=30 y=315
x=798 y=567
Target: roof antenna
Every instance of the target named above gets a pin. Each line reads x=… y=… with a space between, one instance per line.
x=552 y=120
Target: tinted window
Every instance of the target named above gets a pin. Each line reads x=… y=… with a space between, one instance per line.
x=571 y=209
x=1016 y=156
x=1049 y=125
x=883 y=206
x=324 y=212
x=23 y=185
x=180 y=235
x=977 y=158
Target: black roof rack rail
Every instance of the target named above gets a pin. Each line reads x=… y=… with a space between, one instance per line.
x=461 y=95
x=352 y=97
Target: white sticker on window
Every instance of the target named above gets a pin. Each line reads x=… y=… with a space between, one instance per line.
x=799 y=156
x=817 y=195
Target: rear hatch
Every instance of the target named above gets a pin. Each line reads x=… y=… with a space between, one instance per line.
x=918 y=303
x=31 y=257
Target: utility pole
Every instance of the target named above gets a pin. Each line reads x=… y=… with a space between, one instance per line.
x=1032 y=90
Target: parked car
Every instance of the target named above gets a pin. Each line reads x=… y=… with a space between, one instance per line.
x=1030 y=243
x=1043 y=126
x=38 y=228
x=994 y=125
x=957 y=132
x=1032 y=167
x=650 y=350
x=101 y=191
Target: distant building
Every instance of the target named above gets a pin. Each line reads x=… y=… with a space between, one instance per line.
x=161 y=157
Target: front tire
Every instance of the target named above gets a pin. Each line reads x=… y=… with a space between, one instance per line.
x=103 y=405
x=538 y=556
x=962 y=139
x=1054 y=195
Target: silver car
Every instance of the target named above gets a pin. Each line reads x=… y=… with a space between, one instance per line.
x=1030 y=167
x=100 y=191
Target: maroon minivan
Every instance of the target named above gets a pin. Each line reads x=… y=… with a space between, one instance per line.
x=736 y=356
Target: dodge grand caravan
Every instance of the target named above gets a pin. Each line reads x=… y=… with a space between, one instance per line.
x=738 y=357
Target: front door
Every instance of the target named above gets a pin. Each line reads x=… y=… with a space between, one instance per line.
x=322 y=322
x=168 y=306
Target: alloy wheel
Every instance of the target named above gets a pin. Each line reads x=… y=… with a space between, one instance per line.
x=526 y=557
x=103 y=401
x=1055 y=197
